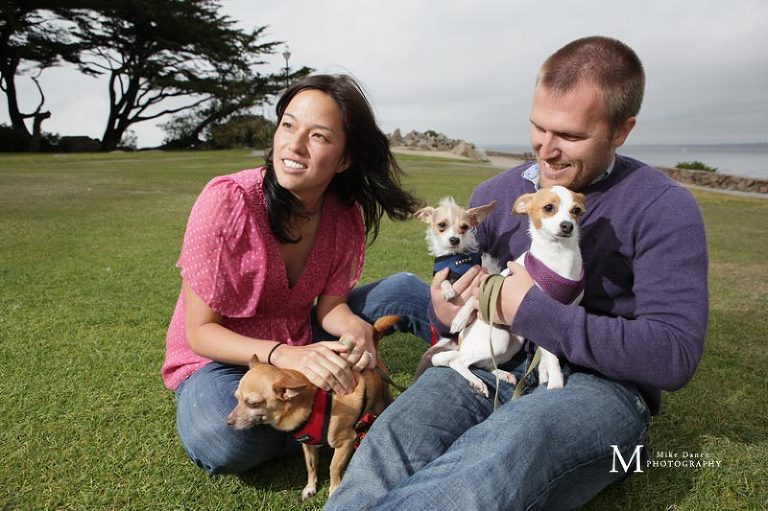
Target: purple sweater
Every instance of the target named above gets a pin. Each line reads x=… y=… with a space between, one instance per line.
x=643 y=317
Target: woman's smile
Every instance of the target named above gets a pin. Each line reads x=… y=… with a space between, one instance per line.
x=293 y=165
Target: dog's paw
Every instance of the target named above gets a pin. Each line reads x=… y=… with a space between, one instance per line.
x=447 y=288
x=308 y=492
x=555 y=382
x=449 y=293
x=458 y=324
x=480 y=387
x=505 y=376
x=461 y=320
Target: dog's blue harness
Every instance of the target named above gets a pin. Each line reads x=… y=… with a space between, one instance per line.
x=458 y=264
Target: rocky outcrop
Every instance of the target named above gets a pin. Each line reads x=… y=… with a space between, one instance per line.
x=468 y=150
x=718 y=181
x=434 y=141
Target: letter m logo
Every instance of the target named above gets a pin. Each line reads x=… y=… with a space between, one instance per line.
x=635 y=456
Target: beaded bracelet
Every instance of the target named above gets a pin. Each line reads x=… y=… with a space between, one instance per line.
x=269 y=357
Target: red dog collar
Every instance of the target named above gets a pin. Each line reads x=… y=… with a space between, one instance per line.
x=315 y=430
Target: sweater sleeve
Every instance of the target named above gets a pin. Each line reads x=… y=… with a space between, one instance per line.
x=661 y=344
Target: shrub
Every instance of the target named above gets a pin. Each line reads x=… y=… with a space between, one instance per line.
x=243 y=131
x=11 y=140
x=695 y=165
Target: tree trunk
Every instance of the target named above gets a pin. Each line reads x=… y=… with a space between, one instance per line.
x=35 y=143
x=17 y=118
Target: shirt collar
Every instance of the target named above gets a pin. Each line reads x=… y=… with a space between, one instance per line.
x=532 y=173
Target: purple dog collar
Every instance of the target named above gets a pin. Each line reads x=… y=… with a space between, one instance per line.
x=561 y=289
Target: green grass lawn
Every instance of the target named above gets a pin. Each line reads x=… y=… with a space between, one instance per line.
x=88 y=245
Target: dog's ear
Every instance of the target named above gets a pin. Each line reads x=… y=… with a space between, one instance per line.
x=425 y=214
x=522 y=204
x=579 y=199
x=478 y=214
x=254 y=361
x=289 y=386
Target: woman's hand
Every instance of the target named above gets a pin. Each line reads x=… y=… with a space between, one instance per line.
x=359 y=338
x=337 y=319
x=465 y=287
x=324 y=364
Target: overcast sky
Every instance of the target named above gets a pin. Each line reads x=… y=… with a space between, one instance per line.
x=467 y=67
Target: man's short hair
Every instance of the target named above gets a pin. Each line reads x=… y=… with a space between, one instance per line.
x=608 y=63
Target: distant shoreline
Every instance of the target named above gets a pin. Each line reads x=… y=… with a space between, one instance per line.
x=745 y=159
x=708 y=181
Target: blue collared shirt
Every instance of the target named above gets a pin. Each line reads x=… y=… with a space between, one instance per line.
x=532 y=173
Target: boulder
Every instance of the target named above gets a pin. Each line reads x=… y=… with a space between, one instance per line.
x=468 y=150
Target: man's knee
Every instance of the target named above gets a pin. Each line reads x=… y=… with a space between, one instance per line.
x=405 y=279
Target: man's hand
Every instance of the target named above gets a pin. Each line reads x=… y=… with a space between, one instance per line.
x=513 y=290
x=465 y=287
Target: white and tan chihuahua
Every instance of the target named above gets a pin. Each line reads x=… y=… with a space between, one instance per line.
x=451 y=239
x=554 y=262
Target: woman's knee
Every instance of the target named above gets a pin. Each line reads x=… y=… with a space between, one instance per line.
x=219 y=449
x=202 y=405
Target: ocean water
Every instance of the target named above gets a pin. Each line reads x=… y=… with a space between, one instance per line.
x=749 y=160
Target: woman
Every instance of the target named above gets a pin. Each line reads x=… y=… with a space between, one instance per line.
x=262 y=246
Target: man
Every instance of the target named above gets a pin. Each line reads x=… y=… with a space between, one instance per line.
x=639 y=329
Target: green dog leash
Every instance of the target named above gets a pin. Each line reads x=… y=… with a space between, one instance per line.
x=488 y=297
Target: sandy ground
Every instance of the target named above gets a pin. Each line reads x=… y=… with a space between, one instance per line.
x=504 y=162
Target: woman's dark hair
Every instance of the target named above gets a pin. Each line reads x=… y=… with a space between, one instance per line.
x=373 y=178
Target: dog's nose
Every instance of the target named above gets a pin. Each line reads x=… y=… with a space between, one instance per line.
x=454 y=240
x=566 y=227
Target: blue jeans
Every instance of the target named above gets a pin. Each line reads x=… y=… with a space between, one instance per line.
x=205 y=399
x=440 y=445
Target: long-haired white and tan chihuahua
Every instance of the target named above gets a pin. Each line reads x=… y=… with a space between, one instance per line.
x=287 y=401
x=555 y=264
x=451 y=239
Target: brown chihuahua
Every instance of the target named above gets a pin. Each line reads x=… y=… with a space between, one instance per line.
x=286 y=400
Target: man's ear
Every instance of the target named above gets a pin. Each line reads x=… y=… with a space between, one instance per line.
x=522 y=204
x=622 y=132
x=425 y=214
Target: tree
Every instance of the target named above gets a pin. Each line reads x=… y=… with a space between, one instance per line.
x=236 y=96
x=34 y=35
x=242 y=131
x=167 y=56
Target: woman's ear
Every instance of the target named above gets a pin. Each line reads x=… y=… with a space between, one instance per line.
x=344 y=164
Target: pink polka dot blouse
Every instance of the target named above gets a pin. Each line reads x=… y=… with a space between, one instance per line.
x=232 y=261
